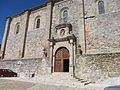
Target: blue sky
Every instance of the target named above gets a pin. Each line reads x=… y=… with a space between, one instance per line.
x=12 y=7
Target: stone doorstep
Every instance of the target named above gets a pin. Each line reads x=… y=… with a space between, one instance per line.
x=62 y=78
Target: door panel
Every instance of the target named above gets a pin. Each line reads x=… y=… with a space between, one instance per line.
x=58 y=65
x=61 y=55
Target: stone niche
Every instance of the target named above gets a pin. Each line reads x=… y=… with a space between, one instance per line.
x=63 y=30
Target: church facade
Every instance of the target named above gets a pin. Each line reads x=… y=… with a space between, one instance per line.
x=81 y=37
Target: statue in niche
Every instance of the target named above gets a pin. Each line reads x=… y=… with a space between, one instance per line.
x=62 y=32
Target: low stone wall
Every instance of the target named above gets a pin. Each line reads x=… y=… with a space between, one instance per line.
x=96 y=67
x=92 y=67
x=26 y=67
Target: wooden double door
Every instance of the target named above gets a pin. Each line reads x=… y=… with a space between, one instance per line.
x=61 y=63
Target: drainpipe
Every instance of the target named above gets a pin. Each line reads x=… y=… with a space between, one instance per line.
x=84 y=24
x=74 y=59
x=75 y=49
x=52 y=4
x=51 y=49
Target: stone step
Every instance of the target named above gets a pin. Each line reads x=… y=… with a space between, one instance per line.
x=63 y=77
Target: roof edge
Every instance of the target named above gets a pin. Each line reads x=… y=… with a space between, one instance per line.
x=31 y=9
x=35 y=8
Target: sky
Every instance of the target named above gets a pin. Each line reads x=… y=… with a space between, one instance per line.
x=13 y=7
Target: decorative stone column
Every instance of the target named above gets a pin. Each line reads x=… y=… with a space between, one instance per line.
x=71 y=41
x=51 y=55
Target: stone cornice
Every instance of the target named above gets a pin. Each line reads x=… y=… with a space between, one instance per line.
x=63 y=39
x=55 y=1
x=19 y=14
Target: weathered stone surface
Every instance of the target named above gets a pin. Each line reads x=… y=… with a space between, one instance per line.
x=15 y=43
x=99 y=34
x=26 y=67
x=102 y=31
x=37 y=37
x=75 y=18
x=98 y=66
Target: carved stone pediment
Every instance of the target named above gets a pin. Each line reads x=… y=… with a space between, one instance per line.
x=63 y=33
x=63 y=30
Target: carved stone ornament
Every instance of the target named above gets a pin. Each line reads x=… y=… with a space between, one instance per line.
x=62 y=32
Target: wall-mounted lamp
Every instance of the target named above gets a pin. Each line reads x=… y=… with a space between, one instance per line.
x=51 y=43
x=79 y=51
x=45 y=52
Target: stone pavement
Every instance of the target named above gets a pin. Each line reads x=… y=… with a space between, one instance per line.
x=55 y=81
x=6 y=84
x=14 y=85
x=52 y=87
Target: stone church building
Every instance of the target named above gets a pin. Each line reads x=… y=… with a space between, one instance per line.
x=80 y=37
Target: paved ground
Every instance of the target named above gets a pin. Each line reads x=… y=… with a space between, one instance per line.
x=40 y=83
x=14 y=85
x=52 y=87
x=6 y=84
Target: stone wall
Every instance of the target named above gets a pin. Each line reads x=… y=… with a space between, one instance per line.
x=103 y=30
x=14 y=45
x=99 y=34
x=75 y=18
x=37 y=38
x=103 y=33
x=91 y=7
x=95 y=67
x=26 y=67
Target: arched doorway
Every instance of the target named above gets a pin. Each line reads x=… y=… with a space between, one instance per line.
x=61 y=63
